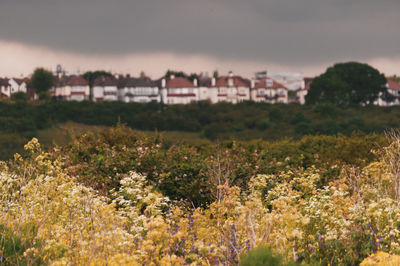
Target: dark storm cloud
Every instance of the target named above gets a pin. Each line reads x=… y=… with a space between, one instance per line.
x=284 y=31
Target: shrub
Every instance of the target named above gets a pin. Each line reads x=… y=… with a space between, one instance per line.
x=263 y=256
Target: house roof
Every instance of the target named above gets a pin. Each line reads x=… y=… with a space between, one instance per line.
x=19 y=81
x=76 y=81
x=179 y=82
x=105 y=81
x=262 y=84
x=393 y=85
x=237 y=81
x=131 y=82
x=205 y=82
x=4 y=81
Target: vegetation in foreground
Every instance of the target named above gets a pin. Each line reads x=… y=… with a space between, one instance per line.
x=111 y=198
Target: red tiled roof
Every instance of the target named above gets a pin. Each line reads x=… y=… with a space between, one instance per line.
x=77 y=81
x=261 y=84
x=393 y=85
x=179 y=83
x=237 y=81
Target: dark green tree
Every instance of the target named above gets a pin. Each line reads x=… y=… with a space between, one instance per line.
x=90 y=76
x=42 y=81
x=347 y=83
x=215 y=74
x=182 y=74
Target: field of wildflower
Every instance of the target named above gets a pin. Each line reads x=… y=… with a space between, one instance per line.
x=117 y=198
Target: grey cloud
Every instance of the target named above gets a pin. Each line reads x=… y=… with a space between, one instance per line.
x=282 y=31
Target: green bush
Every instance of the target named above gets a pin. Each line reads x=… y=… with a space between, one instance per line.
x=13 y=245
x=264 y=256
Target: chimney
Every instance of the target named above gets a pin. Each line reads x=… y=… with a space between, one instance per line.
x=253 y=83
x=172 y=76
x=163 y=83
x=195 y=82
x=213 y=82
x=230 y=74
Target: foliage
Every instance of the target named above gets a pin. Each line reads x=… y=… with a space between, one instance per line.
x=181 y=74
x=395 y=78
x=19 y=96
x=263 y=256
x=42 y=81
x=381 y=259
x=347 y=83
x=189 y=173
x=217 y=122
x=91 y=76
x=51 y=209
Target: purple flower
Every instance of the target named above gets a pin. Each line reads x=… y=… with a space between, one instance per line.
x=311 y=249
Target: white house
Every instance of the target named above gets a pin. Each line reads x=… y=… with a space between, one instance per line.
x=293 y=81
x=59 y=90
x=229 y=88
x=140 y=90
x=5 y=88
x=178 y=90
x=105 y=88
x=301 y=93
x=70 y=88
x=79 y=88
x=17 y=85
x=269 y=91
x=392 y=95
x=205 y=94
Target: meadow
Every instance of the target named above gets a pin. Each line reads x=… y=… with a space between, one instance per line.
x=103 y=194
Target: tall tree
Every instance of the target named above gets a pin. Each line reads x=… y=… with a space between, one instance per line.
x=42 y=81
x=91 y=76
x=347 y=83
x=215 y=74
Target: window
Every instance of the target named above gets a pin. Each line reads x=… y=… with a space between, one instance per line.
x=77 y=88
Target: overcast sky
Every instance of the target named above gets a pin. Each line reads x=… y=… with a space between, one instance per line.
x=198 y=35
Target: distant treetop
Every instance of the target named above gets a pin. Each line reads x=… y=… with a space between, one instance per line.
x=347 y=83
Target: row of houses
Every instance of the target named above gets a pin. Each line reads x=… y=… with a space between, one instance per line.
x=170 y=90
x=282 y=88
